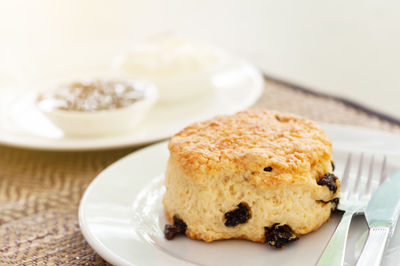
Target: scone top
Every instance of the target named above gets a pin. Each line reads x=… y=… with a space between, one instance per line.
x=267 y=146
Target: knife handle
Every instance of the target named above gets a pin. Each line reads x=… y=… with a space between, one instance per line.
x=334 y=252
x=372 y=252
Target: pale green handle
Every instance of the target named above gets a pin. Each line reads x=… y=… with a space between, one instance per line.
x=334 y=252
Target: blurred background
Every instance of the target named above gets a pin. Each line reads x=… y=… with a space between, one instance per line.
x=344 y=48
x=347 y=49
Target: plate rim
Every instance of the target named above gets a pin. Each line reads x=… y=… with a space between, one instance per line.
x=8 y=138
x=97 y=245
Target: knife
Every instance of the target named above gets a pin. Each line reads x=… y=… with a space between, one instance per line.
x=381 y=213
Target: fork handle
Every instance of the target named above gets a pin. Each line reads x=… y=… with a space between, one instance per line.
x=334 y=252
x=372 y=252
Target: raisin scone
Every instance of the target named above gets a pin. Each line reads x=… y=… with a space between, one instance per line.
x=259 y=175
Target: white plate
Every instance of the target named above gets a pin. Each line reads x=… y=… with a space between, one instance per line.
x=122 y=218
x=21 y=124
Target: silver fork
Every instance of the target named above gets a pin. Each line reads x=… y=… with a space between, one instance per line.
x=352 y=202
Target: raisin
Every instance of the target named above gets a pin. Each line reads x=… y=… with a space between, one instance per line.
x=238 y=216
x=333 y=166
x=179 y=227
x=329 y=180
x=336 y=203
x=180 y=224
x=170 y=231
x=279 y=235
x=268 y=169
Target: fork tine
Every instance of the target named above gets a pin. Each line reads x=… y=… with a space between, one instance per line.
x=383 y=170
x=370 y=171
x=359 y=172
x=344 y=182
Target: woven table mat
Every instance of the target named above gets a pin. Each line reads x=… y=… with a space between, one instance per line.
x=40 y=191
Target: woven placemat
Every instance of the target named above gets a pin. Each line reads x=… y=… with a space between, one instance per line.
x=40 y=191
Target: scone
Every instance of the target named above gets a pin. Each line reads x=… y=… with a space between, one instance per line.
x=258 y=175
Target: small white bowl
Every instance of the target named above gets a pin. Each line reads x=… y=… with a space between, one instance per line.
x=180 y=69
x=104 y=122
x=176 y=89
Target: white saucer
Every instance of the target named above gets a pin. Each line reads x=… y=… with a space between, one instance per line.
x=21 y=124
x=121 y=214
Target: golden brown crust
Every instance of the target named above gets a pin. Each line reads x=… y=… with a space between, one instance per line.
x=252 y=139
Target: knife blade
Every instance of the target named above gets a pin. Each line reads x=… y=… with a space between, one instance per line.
x=382 y=213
